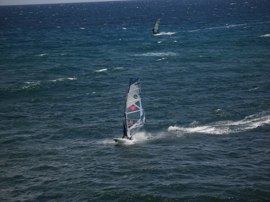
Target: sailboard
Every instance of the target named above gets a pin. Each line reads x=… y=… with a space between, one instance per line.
x=155 y=30
x=134 y=116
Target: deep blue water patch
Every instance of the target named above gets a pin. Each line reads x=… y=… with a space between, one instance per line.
x=205 y=87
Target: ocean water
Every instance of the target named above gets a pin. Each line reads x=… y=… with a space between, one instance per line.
x=205 y=86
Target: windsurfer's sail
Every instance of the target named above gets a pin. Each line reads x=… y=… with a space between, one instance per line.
x=134 y=117
x=155 y=30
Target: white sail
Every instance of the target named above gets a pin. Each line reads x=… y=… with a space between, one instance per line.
x=156 y=27
x=134 y=117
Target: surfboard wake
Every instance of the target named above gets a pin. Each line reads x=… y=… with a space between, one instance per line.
x=225 y=127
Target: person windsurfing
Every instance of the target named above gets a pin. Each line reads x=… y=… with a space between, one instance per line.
x=125 y=131
x=134 y=117
x=155 y=30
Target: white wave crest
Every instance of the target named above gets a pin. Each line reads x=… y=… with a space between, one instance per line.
x=101 y=70
x=71 y=78
x=160 y=59
x=157 y=54
x=226 y=127
x=165 y=34
x=64 y=79
x=253 y=89
x=265 y=35
x=42 y=54
x=34 y=84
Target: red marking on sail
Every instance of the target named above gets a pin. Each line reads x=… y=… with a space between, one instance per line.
x=133 y=108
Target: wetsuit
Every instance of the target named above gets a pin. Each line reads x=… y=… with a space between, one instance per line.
x=124 y=131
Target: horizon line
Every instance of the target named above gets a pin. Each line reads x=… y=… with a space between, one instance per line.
x=59 y=2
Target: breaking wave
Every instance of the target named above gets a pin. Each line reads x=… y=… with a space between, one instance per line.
x=226 y=127
x=157 y=54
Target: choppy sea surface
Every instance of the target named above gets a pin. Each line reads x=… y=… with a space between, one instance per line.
x=205 y=78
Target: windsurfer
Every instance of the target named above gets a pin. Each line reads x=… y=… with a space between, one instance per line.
x=124 y=130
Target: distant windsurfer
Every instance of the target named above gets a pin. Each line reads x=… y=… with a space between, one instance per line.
x=155 y=30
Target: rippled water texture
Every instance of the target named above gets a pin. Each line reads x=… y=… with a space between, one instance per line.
x=205 y=88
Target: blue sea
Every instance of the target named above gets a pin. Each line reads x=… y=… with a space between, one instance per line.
x=205 y=81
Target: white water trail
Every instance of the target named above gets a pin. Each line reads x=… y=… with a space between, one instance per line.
x=141 y=137
x=165 y=34
x=137 y=138
x=226 y=127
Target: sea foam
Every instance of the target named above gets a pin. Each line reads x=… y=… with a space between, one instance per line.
x=137 y=138
x=64 y=79
x=165 y=34
x=35 y=84
x=226 y=127
x=31 y=84
x=157 y=54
